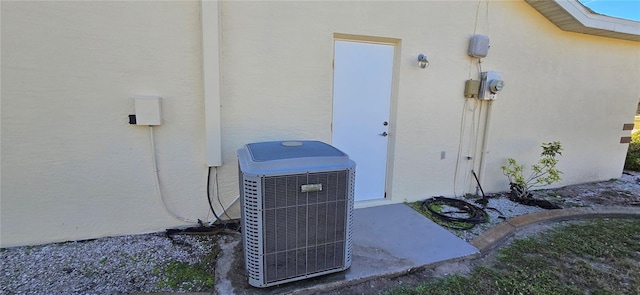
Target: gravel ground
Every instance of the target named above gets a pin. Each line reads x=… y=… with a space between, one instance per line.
x=117 y=265
x=137 y=264
x=503 y=204
x=619 y=192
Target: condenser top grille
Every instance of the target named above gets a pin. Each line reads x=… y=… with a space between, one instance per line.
x=285 y=157
x=279 y=150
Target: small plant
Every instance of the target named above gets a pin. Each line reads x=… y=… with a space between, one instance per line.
x=543 y=173
x=632 y=162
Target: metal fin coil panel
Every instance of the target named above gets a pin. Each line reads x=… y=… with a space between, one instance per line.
x=290 y=234
x=304 y=232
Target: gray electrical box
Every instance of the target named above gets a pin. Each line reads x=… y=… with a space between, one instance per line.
x=148 y=111
x=479 y=45
x=471 y=88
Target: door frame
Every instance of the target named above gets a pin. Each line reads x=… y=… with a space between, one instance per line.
x=393 y=106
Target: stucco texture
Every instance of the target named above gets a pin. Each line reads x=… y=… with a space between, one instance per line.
x=73 y=168
x=574 y=88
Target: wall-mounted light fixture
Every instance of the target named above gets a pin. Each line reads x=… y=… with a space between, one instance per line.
x=422 y=61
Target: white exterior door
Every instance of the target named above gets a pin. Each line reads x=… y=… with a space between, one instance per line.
x=361 y=100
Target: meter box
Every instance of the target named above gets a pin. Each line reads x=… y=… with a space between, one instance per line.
x=490 y=84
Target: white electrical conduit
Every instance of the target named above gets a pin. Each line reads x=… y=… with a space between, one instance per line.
x=460 y=141
x=157 y=178
x=485 y=138
x=159 y=190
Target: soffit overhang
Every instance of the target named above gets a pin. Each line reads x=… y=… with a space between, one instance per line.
x=570 y=15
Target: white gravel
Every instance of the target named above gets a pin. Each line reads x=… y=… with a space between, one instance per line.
x=507 y=207
x=116 y=265
x=619 y=192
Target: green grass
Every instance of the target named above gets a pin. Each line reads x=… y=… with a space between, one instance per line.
x=196 y=277
x=187 y=276
x=595 y=257
x=632 y=161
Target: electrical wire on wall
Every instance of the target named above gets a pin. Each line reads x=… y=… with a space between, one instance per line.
x=475 y=108
x=224 y=209
x=487 y=19
x=201 y=227
x=226 y=224
x=209 y=194
x=475 y=31
x=467 y=108
x=157 y=179
x=164 y=202
x=487 y=116
x=218 y=224
x=217 y=193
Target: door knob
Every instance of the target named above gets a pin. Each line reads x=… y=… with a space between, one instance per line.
x=383 y=134
x=385 y=123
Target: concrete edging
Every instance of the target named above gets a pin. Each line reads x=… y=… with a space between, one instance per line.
x=499 y=233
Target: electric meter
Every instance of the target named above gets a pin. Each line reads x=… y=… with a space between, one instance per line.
x=496 y=85
x=490 y=84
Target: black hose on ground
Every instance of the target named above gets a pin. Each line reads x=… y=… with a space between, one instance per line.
x=214 y=229
x=485 y=200
x=476 y=215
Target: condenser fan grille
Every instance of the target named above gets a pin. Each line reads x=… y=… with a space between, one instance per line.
x=304 y=232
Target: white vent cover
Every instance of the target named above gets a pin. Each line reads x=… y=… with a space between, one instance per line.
x=297 y=210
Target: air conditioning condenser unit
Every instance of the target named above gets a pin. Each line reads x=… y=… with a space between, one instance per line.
x=297 y=210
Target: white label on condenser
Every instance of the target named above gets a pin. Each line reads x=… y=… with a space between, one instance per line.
x=311 y=187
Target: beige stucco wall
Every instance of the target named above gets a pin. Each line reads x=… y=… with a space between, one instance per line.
x=570 y=87
x=575 y=88
x=72 y=167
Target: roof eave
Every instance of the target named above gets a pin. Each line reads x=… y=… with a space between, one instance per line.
x=570 y=15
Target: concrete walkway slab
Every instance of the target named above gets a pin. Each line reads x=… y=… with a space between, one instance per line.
x=396 y=238
x=387 y=240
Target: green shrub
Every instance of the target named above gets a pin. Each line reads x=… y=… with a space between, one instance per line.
x=633 y=154
x=635 y=137
x=543 y=173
